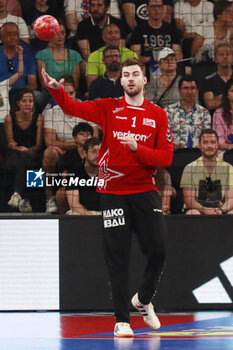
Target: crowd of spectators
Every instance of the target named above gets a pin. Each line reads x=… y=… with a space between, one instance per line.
x=187 y=47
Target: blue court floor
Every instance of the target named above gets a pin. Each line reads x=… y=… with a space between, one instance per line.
x=60 y=331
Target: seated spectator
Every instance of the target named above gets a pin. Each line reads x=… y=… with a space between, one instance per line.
x=9 y=59
x=71 y=160
x=89 y=31
x=58 y=128
x=166 y=191
x=186 y=117
x=223 y=119
x=84 y=200
x=208 y=181
x=214 y=33
x=77 y=10
x=191 y=17
x=24 y=132
x=109 y=85
x=154 y=34
x=5 y=86
x=135 y=12
x=214 y=84
x=7 y=17
x=112 y=37
x=57 y=60
x=163 y=90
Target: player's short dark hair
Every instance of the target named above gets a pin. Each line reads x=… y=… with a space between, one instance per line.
x=188 y=78
x=91 y=143
x=82 y=126
x=208 y=131
x=133 y=62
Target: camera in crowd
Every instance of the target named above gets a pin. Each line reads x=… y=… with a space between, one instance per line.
x=210 y=193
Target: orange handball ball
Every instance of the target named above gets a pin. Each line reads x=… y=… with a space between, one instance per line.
x=46 y=27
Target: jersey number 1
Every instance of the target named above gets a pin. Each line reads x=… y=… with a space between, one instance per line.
x=134 y=122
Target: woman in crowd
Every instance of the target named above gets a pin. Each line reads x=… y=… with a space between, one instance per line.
x=163 y=90
x=57 y=61
x=24 y=133
x=223 y=119
x=212 y=34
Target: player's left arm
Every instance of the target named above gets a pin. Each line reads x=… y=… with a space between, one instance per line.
x=162 y=153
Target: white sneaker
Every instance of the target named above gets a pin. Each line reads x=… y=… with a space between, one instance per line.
x=51 y=206
x=123 y=330
x=25 y=206
x=147 y=312
x=14 y=200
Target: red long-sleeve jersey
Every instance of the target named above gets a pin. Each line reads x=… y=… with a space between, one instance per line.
x=122 y=171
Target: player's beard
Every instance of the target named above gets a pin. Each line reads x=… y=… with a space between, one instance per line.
x=134 y=92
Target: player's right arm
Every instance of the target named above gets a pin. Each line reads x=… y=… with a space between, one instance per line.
x=86 y=110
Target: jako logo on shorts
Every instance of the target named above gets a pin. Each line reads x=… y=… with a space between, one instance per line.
x=113 y=217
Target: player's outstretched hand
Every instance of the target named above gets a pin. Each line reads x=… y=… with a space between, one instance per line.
x=49 y=81
x=130 y=141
